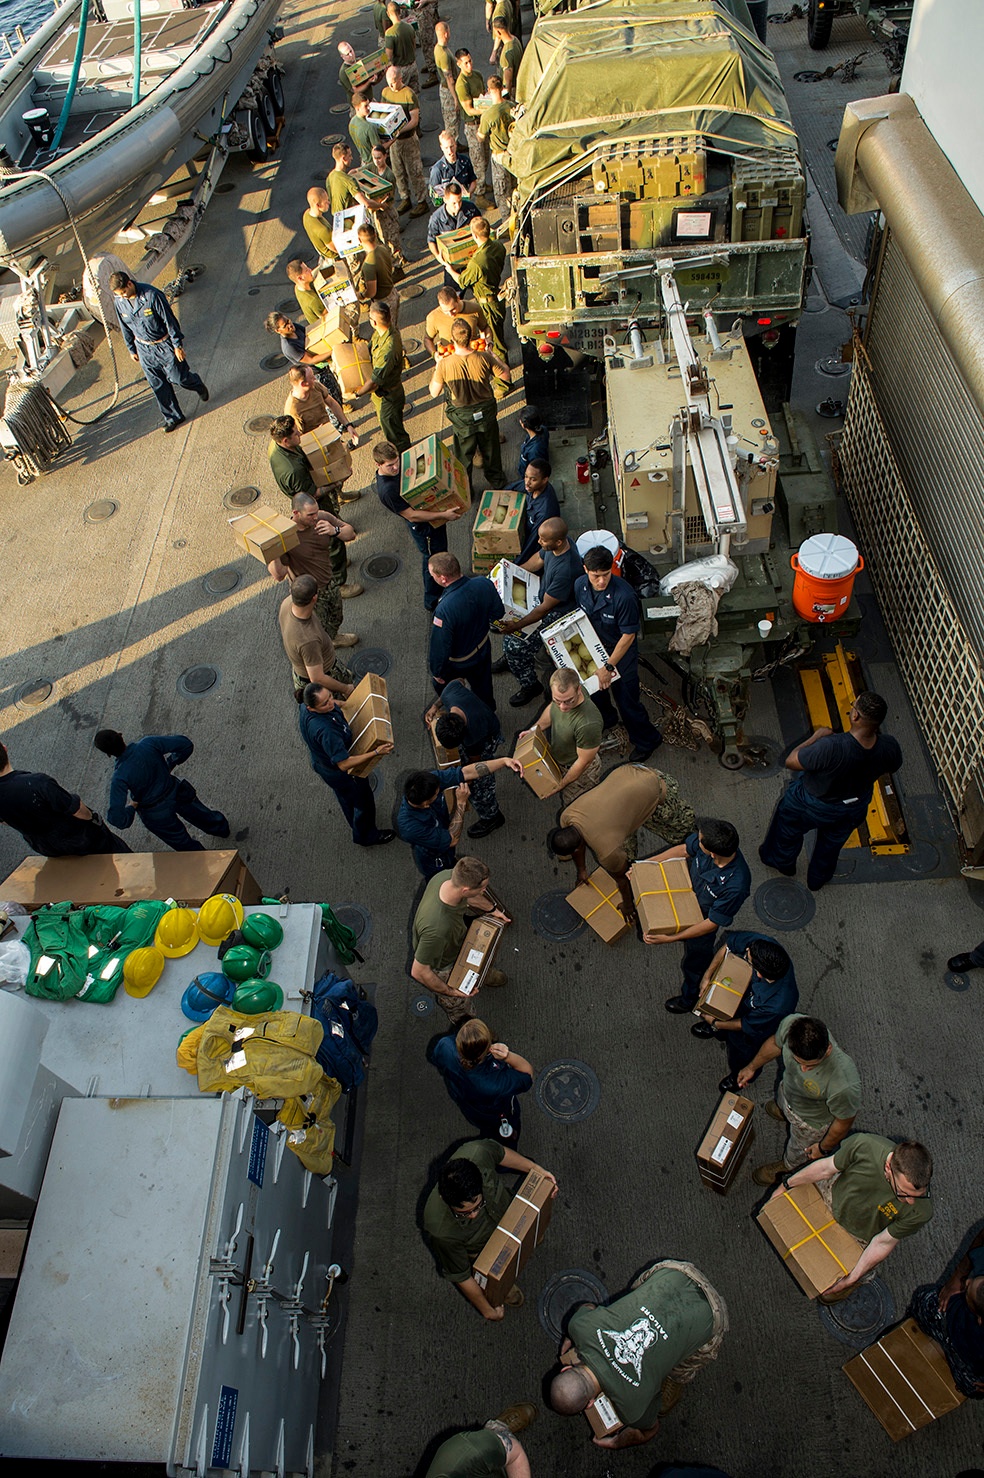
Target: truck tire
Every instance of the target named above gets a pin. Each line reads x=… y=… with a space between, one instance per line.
x=265 y=104
x=256 y=127
x=275 y=87
x=819 y=24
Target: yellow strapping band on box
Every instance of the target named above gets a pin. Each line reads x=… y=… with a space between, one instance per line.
x=666 y=892
x=814 y=1232
x=262 y=521
x=720 y=985
x=605 y=898
x=322 y=449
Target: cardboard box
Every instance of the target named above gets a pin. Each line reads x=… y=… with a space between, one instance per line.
x=573 y=642
x=367 y=69
x=335 y=328
x=455 y=248
x=128 y=877
x=519 y=589
x=345 y=228
x=327 y=455
x=814 y=1248
x=905 y=1380
x=336 y=288
x=432 y=478
x=389 y=117
x=499 y=522
x=597 y=901
x=725 y=992
x=373 y=186
x=726 y=1142
x=367 y=714
x=540 y=770
x=476 y=955
x=483 y=564
x=664 y=898
x=264 y=534
x=602 y=1417
x=510 y=1247
x=352 y=364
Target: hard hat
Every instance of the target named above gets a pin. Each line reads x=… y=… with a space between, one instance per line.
x=218 y=917
x=253 y=996
x=206 y=991
x=262 y=931
x=242 y=961
x=142 y=970
x=177 y=933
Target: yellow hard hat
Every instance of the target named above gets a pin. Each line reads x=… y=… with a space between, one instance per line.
x=177 y=933
x=142 y=970
x=218 y=917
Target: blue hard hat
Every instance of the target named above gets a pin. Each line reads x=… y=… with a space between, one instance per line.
x=206 y=991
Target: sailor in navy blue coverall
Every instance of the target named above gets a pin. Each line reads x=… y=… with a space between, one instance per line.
x=163 y=803
x=459 y=644
x=612 y=607
x=154 y=339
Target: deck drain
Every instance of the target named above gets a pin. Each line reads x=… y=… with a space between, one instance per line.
x=921 y=859
x=34 y=693
x=179 y=543
x=370 y=659
x=220 y=582
x=273 y=363
x=258 y=425
x=763 y=756
x=330 y=140
x=240 y=497
x=288 y=305
x=354 y=917
x=411 y=347
x=415 y=290
x=832 y=367
x=195 y=682
x=422 y=1005
x=252 y=292
x=553 y=918
x=784 y=904
x=224 y=187
x=860 y=1319
x=99 y=511
x=561 y=1295
x=568 y=1091
x=380 y=567
x=954 y=982
x=339 y=108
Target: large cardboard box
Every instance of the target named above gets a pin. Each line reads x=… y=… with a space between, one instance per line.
x=726 y=1142
x=431 y=477
x=264 y=534
x=499 y=522
x=540 y=770
x=510 y=1247
x=367 y=69
x=334 y=328
x=345 y=229
x=335 y=288
x=664 y=898
x=327 y=455
x=573 y=642
x=128 y=877
x=816 y=1250
x=352 y=364
x=476 y=955
x=597 y=901
x=905 y=1380
x=455 y=248
x=373 y=186
x=602 y=1417
x=725 y=991
x=483 y=564
x=389 y=117
x=367 y=713
x=519 y=589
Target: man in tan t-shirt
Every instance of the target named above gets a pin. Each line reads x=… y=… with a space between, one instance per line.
x=466 y=377
x=308 y=646
x=605 y=818
x=451 y=305
x=309 y=404
x=313 y=555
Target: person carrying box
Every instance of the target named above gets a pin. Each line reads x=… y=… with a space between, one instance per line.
x=720 y=877
x=771 y=994
x=439 y=928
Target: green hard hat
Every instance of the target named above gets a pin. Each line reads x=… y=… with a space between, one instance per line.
x=253 y=996
x=261 y=930
x=243 y=961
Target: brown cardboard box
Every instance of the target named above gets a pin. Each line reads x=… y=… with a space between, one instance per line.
x=127 y=877
x=367 y=713
x=327 y=455
x=333 y=329
x=264 y=534
x=457 y=247
x=597 y=901
x=476 y=955
x=511 y=1245
x=814 y=1248
x=432 y=478
x=905 y=1380
x=602 y=1417
x=499 y=522
x=352 y=364
x=726 y=1142
x=540 y=770
x=723 y=994
x=664 y=898
x=367 y=69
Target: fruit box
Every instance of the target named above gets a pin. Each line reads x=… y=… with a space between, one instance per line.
x=432 y=478
x=573 y=642
x=518 y=589
x=498 y=527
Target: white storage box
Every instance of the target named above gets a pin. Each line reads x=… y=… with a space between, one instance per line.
x=390 y=117
x=345 y=229
x=519 y=589
x=573 y=642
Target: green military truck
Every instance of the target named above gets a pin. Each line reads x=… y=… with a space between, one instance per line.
x=886 y=21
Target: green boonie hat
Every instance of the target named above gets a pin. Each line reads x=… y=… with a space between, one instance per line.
x=254 y=996
x=243 y=961
x=261 y=930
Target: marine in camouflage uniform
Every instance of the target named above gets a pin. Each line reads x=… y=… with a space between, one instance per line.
x=427 y=17
x=674 y=819
x=339 y=672
x=386 y=217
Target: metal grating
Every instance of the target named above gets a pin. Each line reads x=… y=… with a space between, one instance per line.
x=934 y=651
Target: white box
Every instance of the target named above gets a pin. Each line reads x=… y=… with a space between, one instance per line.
x=390 y=117
x=504 y=576
x=575 y=625
x=345 y=228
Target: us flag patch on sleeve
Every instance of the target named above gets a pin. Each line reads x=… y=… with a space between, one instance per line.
x=438 y=621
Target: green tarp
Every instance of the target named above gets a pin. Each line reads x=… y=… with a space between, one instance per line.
x=619 y=71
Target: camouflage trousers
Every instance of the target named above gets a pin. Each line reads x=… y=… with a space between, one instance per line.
x=339 y=672
x=427 y=18
x=674 y=818
x=409 y=171
x=328 y=607
x=483 y=796
x=503 y=183
x=586 y=781
x=388 y=226
x=450 y=112
x=479 y=151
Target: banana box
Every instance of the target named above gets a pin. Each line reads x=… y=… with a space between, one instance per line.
x=345 y=229
x=573 y=642
x=519 y=589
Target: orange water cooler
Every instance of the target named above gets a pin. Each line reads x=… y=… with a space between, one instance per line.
x=826 y=567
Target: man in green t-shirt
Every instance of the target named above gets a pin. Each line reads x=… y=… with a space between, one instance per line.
x=405 y=148
x=818 y=1096
x=341 y=187
x=447 y=76
x=483 y=274
x=510 y=50
x=364 y=134
x=469 y=86
x=385 y=387
x=464 y=1209
x=494 y=126
x=439 y=928
x=377 y=274
x=384 y=212
x=880 y=1194
x=492 y=1452
x=401 y=46
x=316 y=221
x=575 y=728
x=632 y=1356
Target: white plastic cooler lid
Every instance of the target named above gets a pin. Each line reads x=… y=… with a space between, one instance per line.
x=828 y=556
